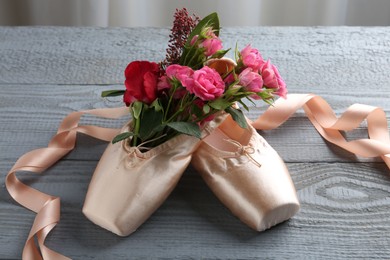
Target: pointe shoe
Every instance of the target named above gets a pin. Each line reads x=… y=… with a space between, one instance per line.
x=247 y=175
x=129 y=185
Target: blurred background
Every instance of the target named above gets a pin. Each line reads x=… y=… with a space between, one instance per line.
x=158 y=13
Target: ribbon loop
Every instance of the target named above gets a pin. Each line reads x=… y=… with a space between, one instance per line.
x=329 y=126
x=48 y=207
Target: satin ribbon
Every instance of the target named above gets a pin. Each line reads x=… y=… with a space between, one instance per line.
x=329 y=126
x=48 y=207
x=317 y=109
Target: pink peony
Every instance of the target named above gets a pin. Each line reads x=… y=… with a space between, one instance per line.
x=251 y=81
x=252 y=58
x=206 y=84
x=272 y=79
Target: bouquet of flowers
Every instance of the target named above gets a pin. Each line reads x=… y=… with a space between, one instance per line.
x=193 y=83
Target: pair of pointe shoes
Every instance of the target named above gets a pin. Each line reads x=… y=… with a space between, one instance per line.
x=239 y=166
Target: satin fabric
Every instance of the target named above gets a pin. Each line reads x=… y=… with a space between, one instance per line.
x=46 y=206
x=129 y=185
x=330 y=127
x=319 y=112
x=247 y=175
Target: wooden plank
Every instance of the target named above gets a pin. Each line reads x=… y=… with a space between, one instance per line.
x=337 y=58
x=30 y=116
x=295 y=141
x=18 y=99
x=344 y=214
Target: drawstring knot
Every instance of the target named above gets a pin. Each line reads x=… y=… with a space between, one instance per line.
x=246 y=150
x=131 y=151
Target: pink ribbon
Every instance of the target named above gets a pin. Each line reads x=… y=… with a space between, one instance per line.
x=329 y=126
x=317 y=109
x=48 y=207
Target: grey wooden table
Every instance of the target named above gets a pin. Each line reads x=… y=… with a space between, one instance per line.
x=46 y=73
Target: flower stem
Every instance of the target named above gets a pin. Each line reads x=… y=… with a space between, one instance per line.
x=169 y=102
x=173 y=116
x=136 y=131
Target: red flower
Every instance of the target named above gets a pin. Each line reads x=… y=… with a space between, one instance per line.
x=141 y=82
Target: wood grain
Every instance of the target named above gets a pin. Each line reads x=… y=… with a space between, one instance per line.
x=335 y=59
x=344 y=213
x=48 y=72
x=296 y=140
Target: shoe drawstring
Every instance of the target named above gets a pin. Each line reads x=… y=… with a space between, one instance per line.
x=141 y=145
x=246 y=150
x=132 y=151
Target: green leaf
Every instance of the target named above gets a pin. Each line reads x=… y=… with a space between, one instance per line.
x=232 y=90
x=112 y=93
x=237 y=54
x=266 y=94
x=137 y=109
x=242 y=94
x=188 y=128
x=157 y=105
x=150 y=121
x=237 y=116
x=219 y=54
x=196 y=111
x=206 y=109
x=122 y=136
x=211 y=20
x=189 y=51
x=219 y=104
x=244 y=105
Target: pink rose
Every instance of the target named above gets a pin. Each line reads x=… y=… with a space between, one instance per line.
x=282 y=92
x=230 y=79
x=252 y=58
x=272 y=79
x=163 y=83
x=194 y=39
x=206 y=84
x=211 y=43
x=179 y=72
x=211 y=46
x=180 y=93
x=251 y=81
